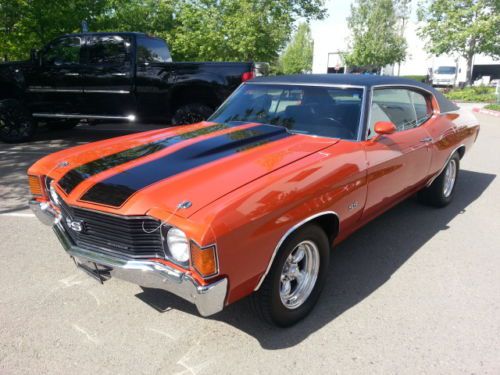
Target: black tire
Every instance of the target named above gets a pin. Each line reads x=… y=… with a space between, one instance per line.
x=267 y=302
x=438 y=194
x=191 y=114
x=16 y=123
x=62 y=124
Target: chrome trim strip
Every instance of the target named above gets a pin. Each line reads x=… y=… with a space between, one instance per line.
x=106 y=91
x=444 y=166
x=306 y=84
x=209 y=299
x=50 y=89
x=285 y=236
x=97 y=117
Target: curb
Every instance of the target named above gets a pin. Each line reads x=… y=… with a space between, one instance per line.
x=487 y=111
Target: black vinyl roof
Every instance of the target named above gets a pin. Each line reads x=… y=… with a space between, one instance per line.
x=365 y=80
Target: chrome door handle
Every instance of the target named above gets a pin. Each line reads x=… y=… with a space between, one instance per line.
x=119 y=74
x=72 y=74
x=426 y=139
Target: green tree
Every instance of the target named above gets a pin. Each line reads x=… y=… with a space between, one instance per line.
x=31 y=24
x=463 y=27
x=149 y=16
x=298 y=55
x=237 y=30
x=216 y=30
x=375 y=37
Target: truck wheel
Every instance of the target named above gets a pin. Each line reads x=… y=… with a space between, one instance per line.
x=62 y=124
x=16 y=123
x=440 y=192
x=191 y=114
x=294 y=283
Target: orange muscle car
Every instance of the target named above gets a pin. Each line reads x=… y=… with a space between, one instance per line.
x=253 y=200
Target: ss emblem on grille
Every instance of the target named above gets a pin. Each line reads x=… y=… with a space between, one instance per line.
x=76 y=225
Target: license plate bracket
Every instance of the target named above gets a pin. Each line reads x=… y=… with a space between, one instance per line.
x=99 y=272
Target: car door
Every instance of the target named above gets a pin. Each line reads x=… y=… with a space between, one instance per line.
x=108 y=87
x=154 y=78
x=398 y=162
x=54 y=84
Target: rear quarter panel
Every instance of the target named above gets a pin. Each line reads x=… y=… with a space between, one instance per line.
x=450 y=131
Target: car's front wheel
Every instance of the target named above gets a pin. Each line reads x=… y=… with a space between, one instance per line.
x=440 y=192
x=16 y=123
x=294 y=283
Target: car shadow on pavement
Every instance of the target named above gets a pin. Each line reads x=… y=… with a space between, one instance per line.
x=15 y=159
x=359 y=266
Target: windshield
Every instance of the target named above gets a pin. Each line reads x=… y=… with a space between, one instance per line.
x=446 y=70
x=324 y=111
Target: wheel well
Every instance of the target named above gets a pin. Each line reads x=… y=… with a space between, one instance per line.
x=329 y=223
x=193 y=94
x=461 y=151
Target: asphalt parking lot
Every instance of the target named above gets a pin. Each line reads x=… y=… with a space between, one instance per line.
x=415 y=291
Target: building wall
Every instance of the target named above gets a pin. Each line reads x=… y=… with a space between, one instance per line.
x=331 y=36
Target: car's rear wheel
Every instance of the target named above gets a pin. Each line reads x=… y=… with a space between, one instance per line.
x=191 y=114
x=294 y=283
x=440 y=192
x=16 y=123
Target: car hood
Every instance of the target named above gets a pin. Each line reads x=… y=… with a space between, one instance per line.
x=177 y=171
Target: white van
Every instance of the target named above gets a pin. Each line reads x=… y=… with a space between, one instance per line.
x=444 y=76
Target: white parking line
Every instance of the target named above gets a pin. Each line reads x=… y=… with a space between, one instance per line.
x=18 y=214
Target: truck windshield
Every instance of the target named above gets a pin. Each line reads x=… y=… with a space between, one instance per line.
x=323 y=111
x=446 y=70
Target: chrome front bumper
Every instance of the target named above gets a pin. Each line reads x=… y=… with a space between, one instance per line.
x=209 y=299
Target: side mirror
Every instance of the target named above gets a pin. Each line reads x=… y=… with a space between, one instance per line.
x=384 y=127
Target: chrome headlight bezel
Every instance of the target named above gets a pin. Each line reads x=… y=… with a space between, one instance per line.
x=176 y=245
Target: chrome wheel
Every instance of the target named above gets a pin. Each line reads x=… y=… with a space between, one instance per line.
x=299 y=274
x=450 y=176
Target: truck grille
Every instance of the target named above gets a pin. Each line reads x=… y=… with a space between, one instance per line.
x=136 y=237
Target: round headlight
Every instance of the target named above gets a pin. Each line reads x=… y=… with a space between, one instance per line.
x=53 y=195
x=178 y=244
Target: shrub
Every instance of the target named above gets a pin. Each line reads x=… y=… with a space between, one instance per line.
x=483 y=94
x=493 y=107
x=416 y=78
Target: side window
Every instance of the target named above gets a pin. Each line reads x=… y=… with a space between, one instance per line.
x=108 y=50
x=152 y=50
x=62 y=51
x=423 y=109
x=406 y=109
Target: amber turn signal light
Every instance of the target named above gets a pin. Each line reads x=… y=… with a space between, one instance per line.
x=204 y=260
x=35 y=186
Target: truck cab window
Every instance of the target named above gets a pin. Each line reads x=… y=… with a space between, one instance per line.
x=108 y=50
x=152 y=50
x=62 y=51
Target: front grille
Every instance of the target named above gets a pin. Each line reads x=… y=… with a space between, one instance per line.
x=136 y=237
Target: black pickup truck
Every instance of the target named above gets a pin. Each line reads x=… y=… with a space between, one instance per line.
x=110 y=76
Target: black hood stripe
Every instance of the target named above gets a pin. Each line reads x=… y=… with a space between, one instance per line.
x=75 y=176
x=115 y=190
